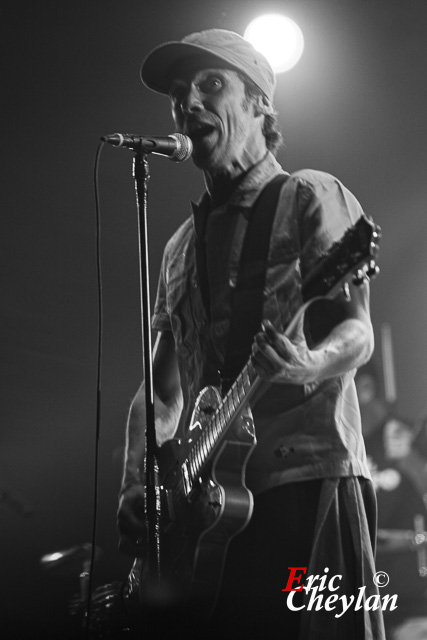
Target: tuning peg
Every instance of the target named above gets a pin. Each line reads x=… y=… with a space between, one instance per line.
x=359 y=277
x=377 y=233
x=346 y=291
x=374 y=247
x=372 y=269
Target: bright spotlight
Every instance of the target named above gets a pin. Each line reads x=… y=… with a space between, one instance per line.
x=279 y=38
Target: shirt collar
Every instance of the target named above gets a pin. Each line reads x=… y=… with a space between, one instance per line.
x=249 y=188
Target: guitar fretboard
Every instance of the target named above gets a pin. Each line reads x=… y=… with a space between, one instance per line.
x=239 y=392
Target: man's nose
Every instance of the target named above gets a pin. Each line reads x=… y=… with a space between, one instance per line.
x=192 y=100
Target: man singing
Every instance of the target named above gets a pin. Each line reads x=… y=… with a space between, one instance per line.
x=314 y=505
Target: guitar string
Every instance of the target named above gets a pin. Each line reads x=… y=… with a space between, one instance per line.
x=215 y=428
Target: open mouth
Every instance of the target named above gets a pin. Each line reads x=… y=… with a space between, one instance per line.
x=199 y=131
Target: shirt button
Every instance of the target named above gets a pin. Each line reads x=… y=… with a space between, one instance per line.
x=195 y=284
x=232 y=282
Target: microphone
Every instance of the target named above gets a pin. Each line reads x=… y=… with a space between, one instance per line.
x=176 y=147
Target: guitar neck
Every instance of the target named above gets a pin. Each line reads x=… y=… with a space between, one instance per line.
x=228 y=410
x=239 y=395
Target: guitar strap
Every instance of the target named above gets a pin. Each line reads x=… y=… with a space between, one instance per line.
x=248 y=295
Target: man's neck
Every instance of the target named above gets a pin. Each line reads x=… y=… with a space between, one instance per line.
x=221 y=184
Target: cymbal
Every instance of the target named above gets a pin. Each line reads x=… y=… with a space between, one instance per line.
x=69 y=560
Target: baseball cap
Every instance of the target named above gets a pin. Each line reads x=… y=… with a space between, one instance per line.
x=212 y=46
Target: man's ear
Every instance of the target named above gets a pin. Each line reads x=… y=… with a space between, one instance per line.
x=263 y=106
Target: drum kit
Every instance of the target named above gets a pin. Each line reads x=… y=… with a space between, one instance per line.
x=106 y=614
x=392 y=540
x=108 y=618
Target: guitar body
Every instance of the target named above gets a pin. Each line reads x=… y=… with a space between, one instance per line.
x=196 y=527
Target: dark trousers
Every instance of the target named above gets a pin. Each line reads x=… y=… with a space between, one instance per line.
x=280 y=535
x=317 y=525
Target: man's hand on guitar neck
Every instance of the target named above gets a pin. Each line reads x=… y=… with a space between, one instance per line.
x=278 y=358
x=288 y=359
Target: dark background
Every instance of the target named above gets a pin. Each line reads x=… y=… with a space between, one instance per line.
x=354 y=106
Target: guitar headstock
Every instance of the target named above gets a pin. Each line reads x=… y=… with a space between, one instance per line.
x=353 y=258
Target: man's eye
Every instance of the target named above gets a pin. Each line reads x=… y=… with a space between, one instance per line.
x=211 y=85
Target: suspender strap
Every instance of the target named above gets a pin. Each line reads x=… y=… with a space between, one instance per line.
x=248 y=296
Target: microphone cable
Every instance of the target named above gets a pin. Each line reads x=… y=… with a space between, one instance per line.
x=98 y=387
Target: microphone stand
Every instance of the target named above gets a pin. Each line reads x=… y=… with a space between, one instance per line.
x=152 y=497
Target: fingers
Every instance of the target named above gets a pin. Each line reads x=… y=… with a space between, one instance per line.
x=268 y=355
x=264 y=356
x=272 y=343
x=268 y=328
x=279 y=358
x=274 y=355
x=276 y=340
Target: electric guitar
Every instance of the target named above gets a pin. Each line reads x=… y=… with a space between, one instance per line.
x=203 y=499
